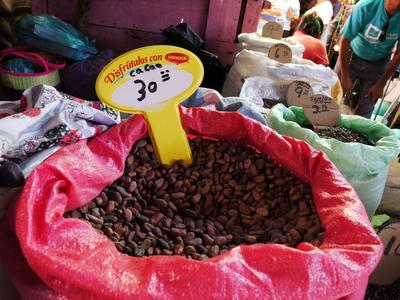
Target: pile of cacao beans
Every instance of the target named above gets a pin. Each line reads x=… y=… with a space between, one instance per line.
x=230 y=195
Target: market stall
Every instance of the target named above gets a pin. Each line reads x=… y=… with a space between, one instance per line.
x=215 y=156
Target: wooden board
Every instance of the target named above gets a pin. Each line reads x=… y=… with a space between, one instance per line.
x=39 y=7
x=251 y=16
x=123 y=40
x=144 y=15
x=222 y=22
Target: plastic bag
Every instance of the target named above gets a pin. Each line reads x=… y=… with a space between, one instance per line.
x=79 y=79
x=257 y=89
x=365 y=167
x=211 y=99
x=183 y=36
x=251 y=63
x=53 y=35
x=77 y=262
x=19 y=65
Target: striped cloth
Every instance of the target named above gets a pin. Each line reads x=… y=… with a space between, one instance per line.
x=23 y=82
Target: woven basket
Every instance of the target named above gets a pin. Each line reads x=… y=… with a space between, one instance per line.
x=22 y=81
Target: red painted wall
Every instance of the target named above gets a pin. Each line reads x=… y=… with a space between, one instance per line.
x=127 y=24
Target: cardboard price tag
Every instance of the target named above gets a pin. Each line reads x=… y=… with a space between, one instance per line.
x=321 y=110
x=281 y=53
x=152 y=81
x=298 y=93
x=272 y=30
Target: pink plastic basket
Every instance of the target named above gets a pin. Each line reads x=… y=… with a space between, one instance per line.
x=22 y=81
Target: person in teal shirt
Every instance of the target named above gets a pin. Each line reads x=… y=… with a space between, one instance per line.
x=368 y=39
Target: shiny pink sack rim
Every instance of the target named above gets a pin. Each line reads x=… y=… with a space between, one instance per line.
x=339 y=268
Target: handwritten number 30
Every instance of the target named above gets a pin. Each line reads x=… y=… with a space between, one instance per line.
x=152 y=88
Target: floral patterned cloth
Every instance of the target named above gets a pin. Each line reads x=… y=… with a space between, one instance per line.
x=45 y=118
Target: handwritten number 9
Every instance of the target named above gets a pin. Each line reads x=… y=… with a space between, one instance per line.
x=152 y=88
x=299 y=91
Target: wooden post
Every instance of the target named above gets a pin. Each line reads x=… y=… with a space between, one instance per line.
x=252 y=15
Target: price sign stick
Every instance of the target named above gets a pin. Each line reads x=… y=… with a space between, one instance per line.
x=167 y=135
x=152 y=81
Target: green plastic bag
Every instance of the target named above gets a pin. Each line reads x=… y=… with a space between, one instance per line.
x=365 y=167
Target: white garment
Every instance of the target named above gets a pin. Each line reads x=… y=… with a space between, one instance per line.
x=283 y=7
x=325 y=11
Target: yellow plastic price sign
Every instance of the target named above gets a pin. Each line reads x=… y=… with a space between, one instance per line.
x=152 y=81
x=272 y=30
x=280 y=52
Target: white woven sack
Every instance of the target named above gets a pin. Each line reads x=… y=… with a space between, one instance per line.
x=254 y=41
x=251 y=63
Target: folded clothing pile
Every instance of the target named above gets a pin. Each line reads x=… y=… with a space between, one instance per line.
x=43 y=121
